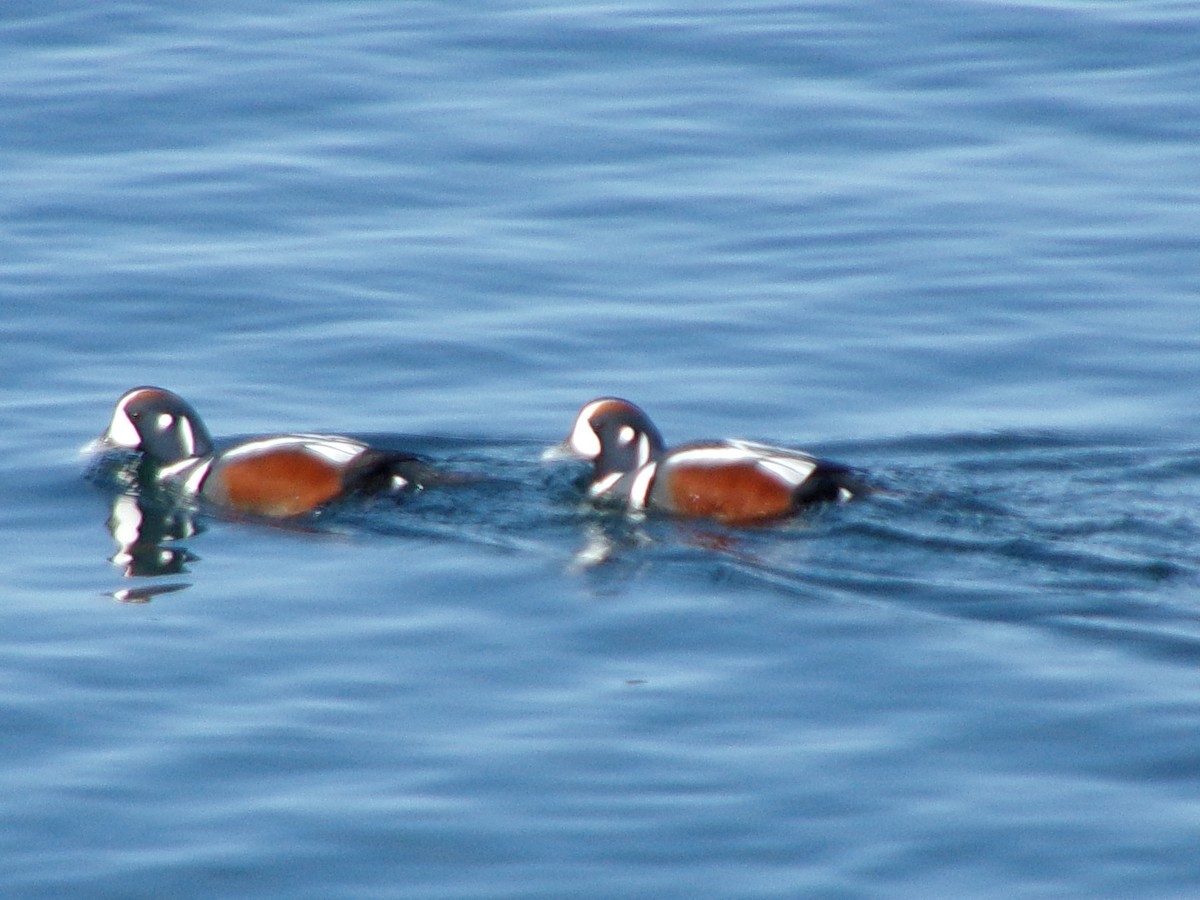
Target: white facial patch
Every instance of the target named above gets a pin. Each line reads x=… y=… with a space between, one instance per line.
x=584 y=440
x=164 y=421
x=121 y=430
x=625 y=435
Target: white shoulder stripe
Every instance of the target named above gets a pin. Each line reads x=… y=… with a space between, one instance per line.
x=195 y=480
x=187 y=473
x=600 y=487
x=639 y=491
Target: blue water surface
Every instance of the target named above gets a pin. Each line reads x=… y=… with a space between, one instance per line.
x=951 y=243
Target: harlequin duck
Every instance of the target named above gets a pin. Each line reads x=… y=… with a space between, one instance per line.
x=278 y=476
x=733 y=481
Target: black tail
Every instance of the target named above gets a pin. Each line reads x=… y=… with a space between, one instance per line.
x=389 y=471
x=832 y=483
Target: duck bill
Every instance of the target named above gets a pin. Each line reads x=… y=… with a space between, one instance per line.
x=99 y=444
x=561 y=451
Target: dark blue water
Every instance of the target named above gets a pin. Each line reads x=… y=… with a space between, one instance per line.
x=954 y=244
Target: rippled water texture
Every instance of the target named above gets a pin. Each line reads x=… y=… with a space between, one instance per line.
x=952 y=244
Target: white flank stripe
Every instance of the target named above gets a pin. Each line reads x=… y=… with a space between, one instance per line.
x=715 y=456
x=792 y=469
x=337 y=450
